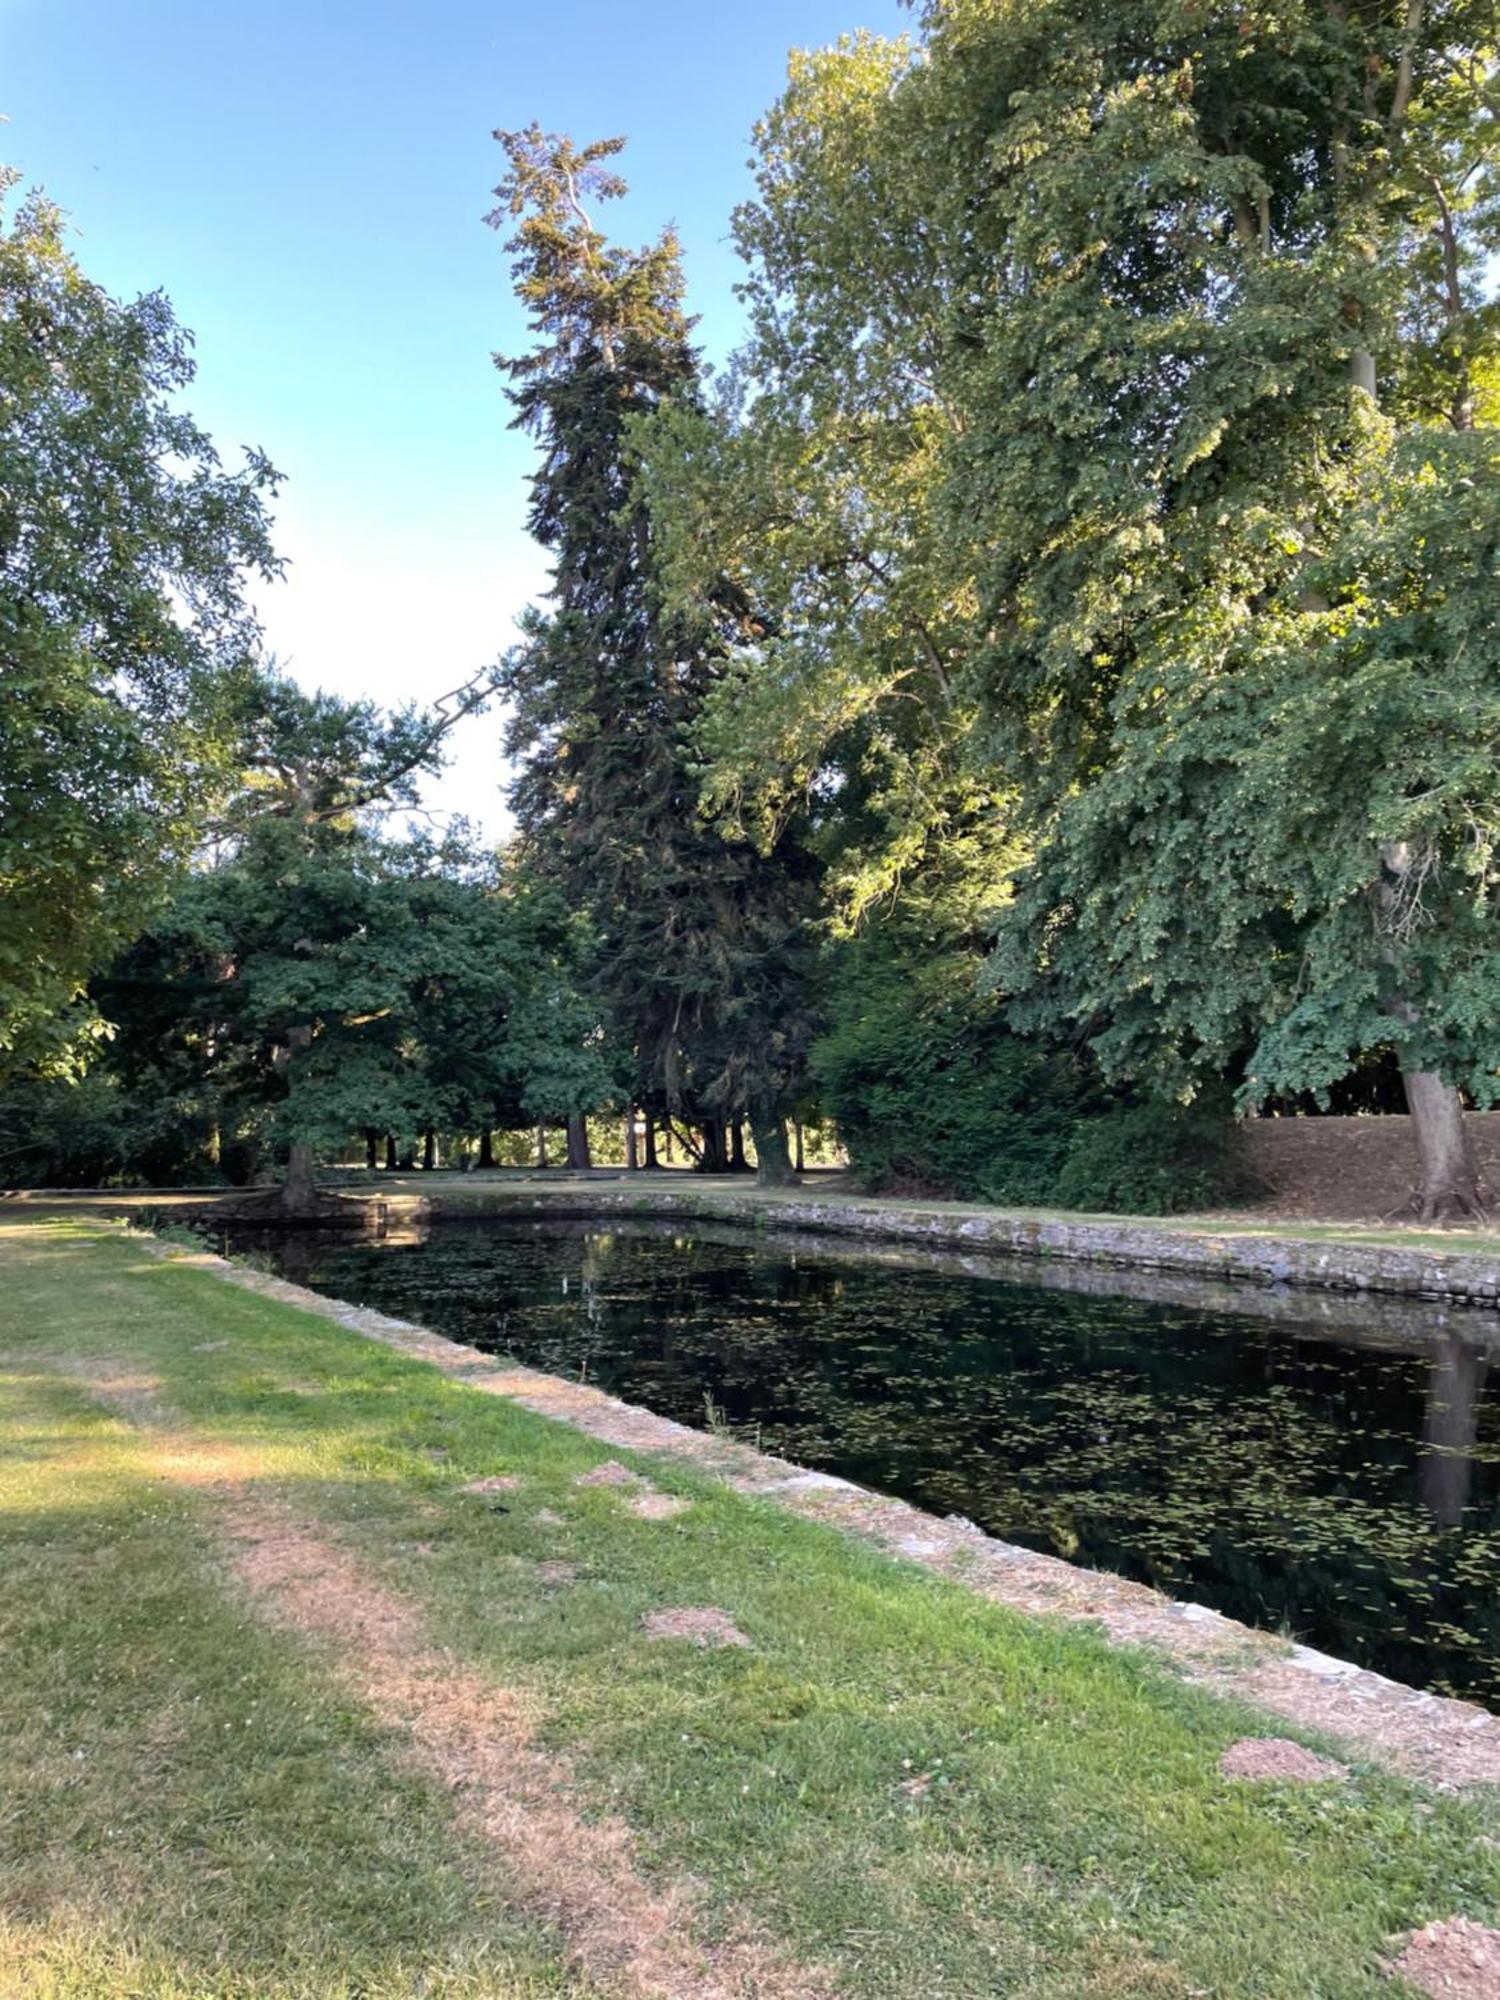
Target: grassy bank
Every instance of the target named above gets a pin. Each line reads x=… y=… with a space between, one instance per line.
x=893 y=1789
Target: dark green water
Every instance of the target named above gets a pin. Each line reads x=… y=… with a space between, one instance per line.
x=1315 y=1466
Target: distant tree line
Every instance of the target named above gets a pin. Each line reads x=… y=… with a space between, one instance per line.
x=1042 y=698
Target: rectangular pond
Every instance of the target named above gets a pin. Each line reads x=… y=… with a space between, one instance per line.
x=1315 y=1464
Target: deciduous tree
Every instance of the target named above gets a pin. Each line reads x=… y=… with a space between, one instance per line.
x=124 y=630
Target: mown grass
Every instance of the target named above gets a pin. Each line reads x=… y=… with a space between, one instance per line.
x=920 y=1791
x=189 y=1807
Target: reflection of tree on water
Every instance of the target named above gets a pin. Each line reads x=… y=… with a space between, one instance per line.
x=1306 y=1470
x=1455 y=1384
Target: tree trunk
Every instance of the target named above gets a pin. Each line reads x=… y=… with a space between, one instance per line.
x=738 y=1164
x=1449 y=1190
x=299 y=1187
x=372 y=1149
x=390 y=1152
x=429 y=1151
x=486 y=1150
x=711 y=1160
x=541 y=1147
x=578 y=1142
x=797 y=1130
x=775 y=1168
x=299 y=1184
x=648 y=1132
x=632 y=1160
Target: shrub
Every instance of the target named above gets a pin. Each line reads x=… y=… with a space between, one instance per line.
x=96 y=1132
x=1151 y=1158
x=934 y=1093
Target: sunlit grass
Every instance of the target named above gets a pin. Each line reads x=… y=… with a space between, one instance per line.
x=926 y=1793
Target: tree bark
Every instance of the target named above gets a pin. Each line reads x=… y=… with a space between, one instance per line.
x=649 y=1136
x=738 y=1164
x=711 y=1160
x=390 y=1152
x=486 y=1150
x=429 y=1152
x=1449 y=1188
x=797 y=1130
x=299 y=1184
x=632 y=1158
x=578 y=1142
x=372 y=1149
x=775 y=1161
x=541 y=1147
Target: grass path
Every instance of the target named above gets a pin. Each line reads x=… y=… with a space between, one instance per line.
x=288 y=1709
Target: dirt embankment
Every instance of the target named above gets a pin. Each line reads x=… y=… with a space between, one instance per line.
x=1349 y=1169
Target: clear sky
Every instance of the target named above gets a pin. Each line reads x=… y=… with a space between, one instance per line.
x=306 y=180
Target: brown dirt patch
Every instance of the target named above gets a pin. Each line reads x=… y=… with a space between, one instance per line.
x=611 y=1473
x=548 y=1517
x=1271 y=1758
x=1426 y=1736
x=658 y=1506
x=497 y=1482
x=477 y=1743
x=1455 y=1959
x=124 y=1391
x=699 y=1624
x=557 y=1572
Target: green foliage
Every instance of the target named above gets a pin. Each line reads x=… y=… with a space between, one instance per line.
x=933 y=1090
x=124 y=633
x=1290 y=757
x=96 y=1131
x=1057 y=461
x=698 y=952
x=1151 y=1158
x=320 y=979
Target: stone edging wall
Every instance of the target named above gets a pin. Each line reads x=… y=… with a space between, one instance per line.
x=1465 y=1278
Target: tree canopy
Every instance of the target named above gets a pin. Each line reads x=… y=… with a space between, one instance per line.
x=1044 y=693
x=1112 y=438
x=125 y=636
x=697 y=934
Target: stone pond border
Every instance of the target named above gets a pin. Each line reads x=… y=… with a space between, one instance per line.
x=1451 y=1744
x=1463 y=1277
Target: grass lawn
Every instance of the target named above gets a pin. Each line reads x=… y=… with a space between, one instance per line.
x=894 y=1786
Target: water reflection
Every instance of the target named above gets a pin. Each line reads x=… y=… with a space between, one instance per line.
x=1450 y=1434
x=1318 y=1463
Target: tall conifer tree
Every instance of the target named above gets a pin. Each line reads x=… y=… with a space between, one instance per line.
x=700 y=940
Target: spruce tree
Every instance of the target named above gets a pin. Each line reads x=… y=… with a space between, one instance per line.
x=700 y=944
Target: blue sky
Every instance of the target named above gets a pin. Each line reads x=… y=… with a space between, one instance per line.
x=306 y=180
